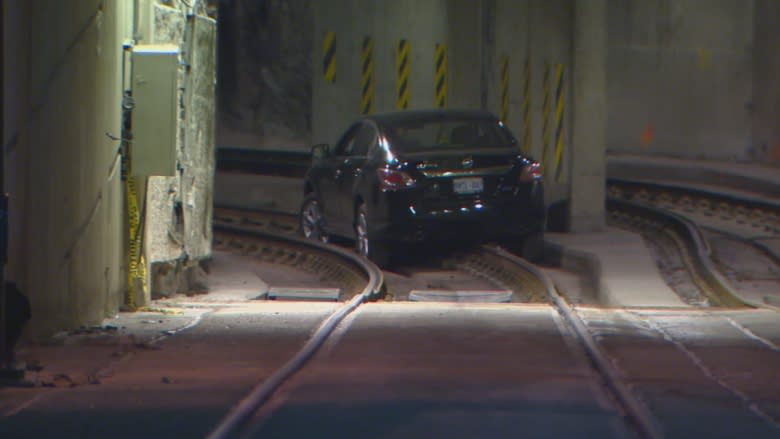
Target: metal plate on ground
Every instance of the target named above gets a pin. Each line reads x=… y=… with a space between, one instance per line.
x=304 y=293
x=469 y=296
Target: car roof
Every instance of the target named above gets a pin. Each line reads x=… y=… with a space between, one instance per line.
x=392 y=118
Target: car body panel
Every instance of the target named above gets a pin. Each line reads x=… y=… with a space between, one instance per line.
x=459 y=188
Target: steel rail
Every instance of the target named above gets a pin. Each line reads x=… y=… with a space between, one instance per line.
x=636 y=412
x=743 y=207
x=239 y=416
x=757 y=201
x=706 y=275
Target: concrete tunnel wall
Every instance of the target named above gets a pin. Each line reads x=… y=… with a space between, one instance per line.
x=62 y=94
x=691 y=78
x=63 y=87
x=479 y=35
x=694 y=78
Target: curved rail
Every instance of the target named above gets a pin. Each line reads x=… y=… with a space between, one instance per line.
x=745 y=200
x=762 y=213
x=704 y=273
x=238 y=417
x=636 y=412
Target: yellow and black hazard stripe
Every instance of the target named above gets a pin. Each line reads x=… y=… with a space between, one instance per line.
x=504 y=91
x=527 y=105
x=402 y=68
x=367 y=76
x=545 y=112
x=136 y=265
x=440 y=76
x=560 y=109
x=329 y=56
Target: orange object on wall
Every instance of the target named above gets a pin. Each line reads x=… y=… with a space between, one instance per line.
x=774 y=153
x=648 y=135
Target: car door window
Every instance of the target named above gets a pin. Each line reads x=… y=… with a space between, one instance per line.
x=364 y=140
x=347 y=142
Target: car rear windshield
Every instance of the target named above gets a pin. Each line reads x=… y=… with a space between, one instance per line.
x=427 y=134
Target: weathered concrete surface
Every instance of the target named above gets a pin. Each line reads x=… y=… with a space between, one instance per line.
x=123 y=385
x=679 y=77
x=464 y=39
x=262 y=192
x=198 y=157
x=589 y=118
x=337 y=103
x=265 y=73
x=68 y=238
x=179 y=209
x=67 y=241
x=765 y=106
x=617 y=264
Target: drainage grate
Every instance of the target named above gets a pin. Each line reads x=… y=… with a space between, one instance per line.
x=304 y=293
x=471 y=296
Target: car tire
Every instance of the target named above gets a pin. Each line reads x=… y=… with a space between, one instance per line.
x=311 y=225
x=373 y=249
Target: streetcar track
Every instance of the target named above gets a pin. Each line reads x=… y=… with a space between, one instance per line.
x=504 y=269
x=748 y=221
x=478 y=263
x=242 y=413
x=496 y=265
x=764 y=223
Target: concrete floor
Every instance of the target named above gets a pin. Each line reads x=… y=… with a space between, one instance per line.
x=398 y=370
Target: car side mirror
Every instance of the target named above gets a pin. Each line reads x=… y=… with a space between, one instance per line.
x=320 y=151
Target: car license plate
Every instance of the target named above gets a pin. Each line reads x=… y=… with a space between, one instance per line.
x=471 y=185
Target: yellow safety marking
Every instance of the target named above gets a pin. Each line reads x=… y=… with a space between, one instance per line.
x=440 y=76
x=329 y=56
x=527 y=106
x=136 y=272
x=546 y=113
x=367 y=76
x=504 y=88
x=560 y=108
x=402 y=68
x=166 y=311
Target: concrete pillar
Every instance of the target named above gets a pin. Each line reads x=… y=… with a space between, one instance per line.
x=765 y=104
x=588 y=149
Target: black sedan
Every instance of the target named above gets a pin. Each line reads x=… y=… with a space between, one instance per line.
x=429 y=175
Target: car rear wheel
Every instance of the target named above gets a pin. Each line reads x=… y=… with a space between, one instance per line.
x=311 y=220
x=372 y=249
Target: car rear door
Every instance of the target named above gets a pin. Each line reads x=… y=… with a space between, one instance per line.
x=330 y=183
x=351 y=177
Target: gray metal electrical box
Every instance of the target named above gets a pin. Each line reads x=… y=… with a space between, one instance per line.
x=155 y=73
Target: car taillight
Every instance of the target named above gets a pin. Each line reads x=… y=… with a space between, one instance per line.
x=531 y=172
x=391 y=180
